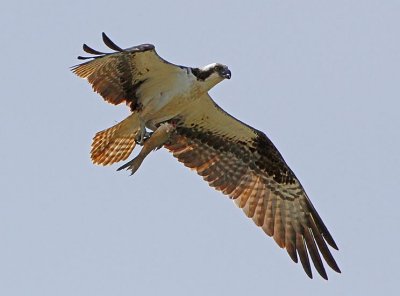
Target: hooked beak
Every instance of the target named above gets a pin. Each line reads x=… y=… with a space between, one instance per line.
x=226 y=73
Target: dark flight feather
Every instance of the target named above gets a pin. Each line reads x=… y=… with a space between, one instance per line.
x=110 y=43
x=242 y=163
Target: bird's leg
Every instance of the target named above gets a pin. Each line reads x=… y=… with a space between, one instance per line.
x=143 y=137
x=143 y=133
x=160 y=136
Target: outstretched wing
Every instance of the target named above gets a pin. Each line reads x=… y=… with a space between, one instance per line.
x=244 y=164
x=118 y=76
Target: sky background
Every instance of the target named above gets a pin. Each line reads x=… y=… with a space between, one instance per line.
x=320 y=78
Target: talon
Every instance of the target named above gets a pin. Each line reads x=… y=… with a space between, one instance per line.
x=152 y=141
x=142 y=132
x=140 y=140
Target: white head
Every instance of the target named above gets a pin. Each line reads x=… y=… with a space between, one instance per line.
x=212 y=74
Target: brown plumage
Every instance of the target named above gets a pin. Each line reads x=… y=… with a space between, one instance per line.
x=115 y=143
x=231 y=156
x=242 y=163
x=117 y=76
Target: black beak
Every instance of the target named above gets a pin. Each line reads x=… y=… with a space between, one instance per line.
x=226 y=73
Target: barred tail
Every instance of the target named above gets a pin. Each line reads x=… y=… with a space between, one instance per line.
x=115 y=143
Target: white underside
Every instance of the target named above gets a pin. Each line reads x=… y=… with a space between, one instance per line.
x=165 y=97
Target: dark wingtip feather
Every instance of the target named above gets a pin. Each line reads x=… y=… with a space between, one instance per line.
x=302 y=251
x=327 y=236
x=291 y=250
x=321 y=225
x=107 y=41
x=313 y=251
x=324 y=248
x=84 y=58
x=331 y=242
x=90 y=50
x=337 y=269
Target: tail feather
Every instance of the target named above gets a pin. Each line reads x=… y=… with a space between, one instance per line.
x=115 y=143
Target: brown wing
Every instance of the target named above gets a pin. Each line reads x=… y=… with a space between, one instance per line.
x=118 y=76
x=244 y=164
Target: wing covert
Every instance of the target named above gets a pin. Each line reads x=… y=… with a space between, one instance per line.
x=117 y=76
x=242 y=163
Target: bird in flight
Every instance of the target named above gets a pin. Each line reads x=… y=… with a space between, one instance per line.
x=171 y=108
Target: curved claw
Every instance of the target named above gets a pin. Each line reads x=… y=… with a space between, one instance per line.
x=141 y=139
x=154 y=141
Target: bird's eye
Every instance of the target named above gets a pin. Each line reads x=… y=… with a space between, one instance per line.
x=218 y=68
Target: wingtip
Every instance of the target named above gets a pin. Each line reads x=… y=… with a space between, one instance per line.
x=329 y=239
x=335 y=246
x=323 y=274
x=90 y=50
x=107 y=41
x=309 y=274
x=83 y=58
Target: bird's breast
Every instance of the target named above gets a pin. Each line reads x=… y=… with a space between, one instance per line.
x=163 y=100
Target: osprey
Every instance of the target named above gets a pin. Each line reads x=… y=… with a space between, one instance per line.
x=173 y=102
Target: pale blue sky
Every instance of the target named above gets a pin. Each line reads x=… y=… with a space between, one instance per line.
x=320 y=78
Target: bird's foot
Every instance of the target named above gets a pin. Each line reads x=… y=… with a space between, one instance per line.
x=143 y=137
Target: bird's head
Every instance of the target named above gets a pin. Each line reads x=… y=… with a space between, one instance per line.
x=212 y=74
